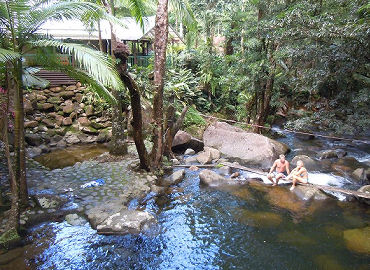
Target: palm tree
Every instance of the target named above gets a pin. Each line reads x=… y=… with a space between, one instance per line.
x=19 y=23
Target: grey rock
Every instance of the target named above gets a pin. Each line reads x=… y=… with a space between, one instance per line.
x=191 y=160
x=204 y=158
x=247 y=147
x=210 y=178
x=97 y=214
x=75 y=220
x=308 y=162
x=50 y=201
x=33 y=152
x=189 y=151
x=215 y=154
x=184 y=140
x=225 y=170
x=33 y=139
x=125 y=222
x=72 y=139
x=174 y=178
x=175 y=161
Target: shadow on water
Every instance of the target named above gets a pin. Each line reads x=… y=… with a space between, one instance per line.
x=71 y=155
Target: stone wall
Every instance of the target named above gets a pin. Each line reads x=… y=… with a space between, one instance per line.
x=58 y=117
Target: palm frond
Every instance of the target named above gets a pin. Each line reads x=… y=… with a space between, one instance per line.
x=68 y=10
x=183 y=10
x=95 y=63
x=7 y=55
x=137 y=8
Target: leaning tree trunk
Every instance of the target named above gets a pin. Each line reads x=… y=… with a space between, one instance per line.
x=172 y=128
x=160 y=45
x=19 y=143
x=118 y=143
x=121 y=52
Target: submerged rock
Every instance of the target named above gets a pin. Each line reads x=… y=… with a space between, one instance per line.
x=283 y=198
x=126 y=221
x=358 y=240
x=308 y=192
x=258 y=219
x=248 y=147
x=295 y=238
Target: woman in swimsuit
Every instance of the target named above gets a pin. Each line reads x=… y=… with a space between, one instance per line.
x=299 y=174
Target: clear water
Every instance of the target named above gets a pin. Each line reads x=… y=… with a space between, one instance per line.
x=251 y=226
x=238 y=227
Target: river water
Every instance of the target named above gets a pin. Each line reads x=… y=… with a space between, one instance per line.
x=253 y=226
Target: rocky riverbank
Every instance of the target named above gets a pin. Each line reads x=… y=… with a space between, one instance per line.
x=58 y=117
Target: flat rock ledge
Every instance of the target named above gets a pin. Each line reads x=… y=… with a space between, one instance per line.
x=126 y=222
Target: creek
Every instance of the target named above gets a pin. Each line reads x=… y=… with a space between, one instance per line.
x=252 y=226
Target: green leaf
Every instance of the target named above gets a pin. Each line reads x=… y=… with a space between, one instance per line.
x=95 y=63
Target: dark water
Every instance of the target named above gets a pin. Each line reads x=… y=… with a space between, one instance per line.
x=249 y=227
x=69 y=156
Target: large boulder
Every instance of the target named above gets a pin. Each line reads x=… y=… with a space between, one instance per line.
x=309 y=163
x=247 y=147
x=210 y=178
x=184 y=140
x=125 y=222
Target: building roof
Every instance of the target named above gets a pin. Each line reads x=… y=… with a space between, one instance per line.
x=75 y=29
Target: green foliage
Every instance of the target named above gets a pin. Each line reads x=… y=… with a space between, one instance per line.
x=194 y=118
x=310 y=49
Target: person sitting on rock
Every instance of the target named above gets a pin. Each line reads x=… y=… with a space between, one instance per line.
x=299 y=174
x=282 y=170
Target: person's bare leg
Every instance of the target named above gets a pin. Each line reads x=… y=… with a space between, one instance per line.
x=293 y=183
x=269 y=177
x=278 y=177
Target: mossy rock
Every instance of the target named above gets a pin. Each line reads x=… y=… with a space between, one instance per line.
x=9 y=238
x=358 y=240
x=96 y=125
x=55 y=100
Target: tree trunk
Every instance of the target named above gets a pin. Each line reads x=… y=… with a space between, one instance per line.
x=101 y=47
x=160 y=45
x=121 y=52
x=118 y=143
x=19 y=143
x=14 y=210
x=172 y=128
